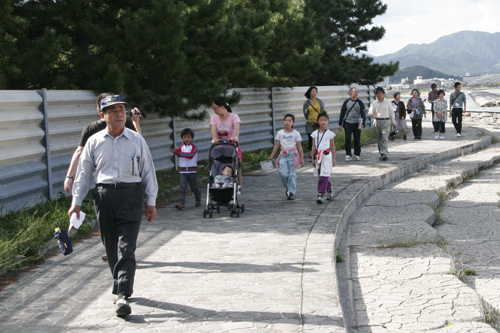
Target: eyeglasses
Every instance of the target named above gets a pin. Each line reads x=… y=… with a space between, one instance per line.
x=215 y=107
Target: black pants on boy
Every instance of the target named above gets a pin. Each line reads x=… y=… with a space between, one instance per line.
x=119 y=212
x=416 y=126
x=439 y=126
x=352 y=129
x=456 y=119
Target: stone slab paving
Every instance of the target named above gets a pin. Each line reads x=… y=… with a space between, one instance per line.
x=471 y=224
x=271 y=270
x=401 y=281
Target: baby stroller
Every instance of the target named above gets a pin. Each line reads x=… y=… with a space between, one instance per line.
x=221 y=155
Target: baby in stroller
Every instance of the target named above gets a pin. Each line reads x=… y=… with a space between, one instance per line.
x=222 y=184
x=224 y=180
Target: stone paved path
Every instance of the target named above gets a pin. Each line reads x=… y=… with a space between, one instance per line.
x=471 y=223
x=401 y=280
x=271 y=270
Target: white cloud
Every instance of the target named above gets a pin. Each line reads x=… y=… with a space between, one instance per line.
x=424 y=21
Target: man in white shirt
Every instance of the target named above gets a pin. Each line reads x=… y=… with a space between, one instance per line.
x=383 y=115
x=118 y=160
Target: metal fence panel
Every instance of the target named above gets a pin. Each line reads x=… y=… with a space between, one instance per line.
x=23 y=164
x=22 y=151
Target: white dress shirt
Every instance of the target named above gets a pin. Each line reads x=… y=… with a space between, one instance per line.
x=108 y=160
x=382 y=109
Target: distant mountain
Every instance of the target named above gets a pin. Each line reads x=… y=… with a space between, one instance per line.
x=475 y=52
x=413 y=71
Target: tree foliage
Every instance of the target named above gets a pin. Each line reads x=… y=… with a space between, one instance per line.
x=168 y=56
x=346 y=25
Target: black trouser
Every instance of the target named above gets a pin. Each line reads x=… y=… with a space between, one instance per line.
x=416 y=126
x=352 y=129
x=119 y=212
x=310 y=143
x=456 y=119
x=439 y=126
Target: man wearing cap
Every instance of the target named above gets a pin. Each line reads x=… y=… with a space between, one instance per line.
x=91 y=129
x=432 y=96
x=381 y=112
x=118 y=160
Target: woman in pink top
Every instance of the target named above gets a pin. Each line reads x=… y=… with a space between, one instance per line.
x=225 y=125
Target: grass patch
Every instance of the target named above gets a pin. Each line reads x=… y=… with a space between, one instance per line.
x=438 y=219
x=24 y=232
x=367 y=135
x=395 y=244
x=338 y=257
x=491 y=315
x=169 y=181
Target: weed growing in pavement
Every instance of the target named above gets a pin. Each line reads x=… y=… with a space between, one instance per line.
x=491 y=315
x=437 y=214
x=495 y=139
x=459 y=268
x=447 y=324
x=338 y=257
x=395 y=244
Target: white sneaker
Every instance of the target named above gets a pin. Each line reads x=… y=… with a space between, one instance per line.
x=320 y=199
x=436 y=135
x=459 y=135
x=122 y=306
x=357 y=158
x=329 y=195
x=348 y=158
x=442 y=137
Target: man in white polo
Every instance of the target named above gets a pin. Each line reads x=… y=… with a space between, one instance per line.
x=381 y=112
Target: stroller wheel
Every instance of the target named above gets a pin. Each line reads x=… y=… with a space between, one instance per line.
x=242 y=208
x=237 y=212
x=210 y=213
x=204 y=213
x=218 y=208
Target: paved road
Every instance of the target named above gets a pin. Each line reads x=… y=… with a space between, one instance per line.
x=271 y=270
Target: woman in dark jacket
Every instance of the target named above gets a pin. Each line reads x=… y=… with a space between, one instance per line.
x=416 y=108
x=399 y=115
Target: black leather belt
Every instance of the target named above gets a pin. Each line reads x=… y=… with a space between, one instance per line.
x=119 y=185
x=382 y=118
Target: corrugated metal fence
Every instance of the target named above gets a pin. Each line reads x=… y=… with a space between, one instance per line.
x=41 y=129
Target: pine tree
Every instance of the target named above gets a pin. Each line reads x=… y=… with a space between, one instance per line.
x=345 y=25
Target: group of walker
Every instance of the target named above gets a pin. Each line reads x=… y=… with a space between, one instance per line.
x=118 y=160
x=385 y=116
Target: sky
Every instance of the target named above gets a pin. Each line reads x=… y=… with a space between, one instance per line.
x=424 y=21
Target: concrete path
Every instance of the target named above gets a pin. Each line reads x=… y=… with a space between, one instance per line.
x=270 y=270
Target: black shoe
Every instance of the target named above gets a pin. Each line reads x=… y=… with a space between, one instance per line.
x=384 y=157
x=290 y=196
x=404 y=137
x=122 y=307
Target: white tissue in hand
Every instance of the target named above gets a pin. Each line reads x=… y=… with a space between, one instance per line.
x=75 y=222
